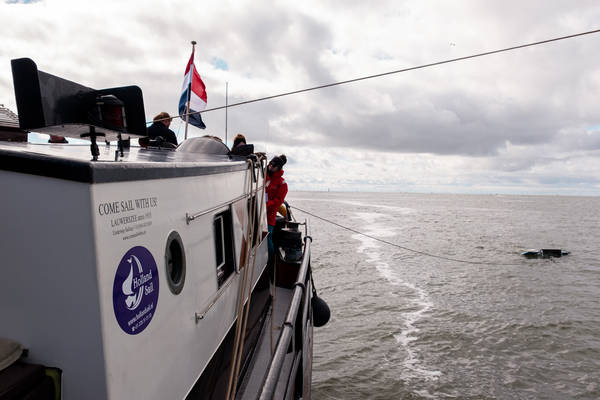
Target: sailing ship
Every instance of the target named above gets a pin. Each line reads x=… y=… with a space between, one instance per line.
x=144 y=273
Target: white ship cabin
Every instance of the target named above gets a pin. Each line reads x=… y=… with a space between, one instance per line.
x=141 y=273
x=127 y=271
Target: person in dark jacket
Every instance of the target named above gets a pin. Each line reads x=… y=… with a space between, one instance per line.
x=160 y=127
x=240 y=147
x=276 y=189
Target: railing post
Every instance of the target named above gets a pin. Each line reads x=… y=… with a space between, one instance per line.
x=287 y=336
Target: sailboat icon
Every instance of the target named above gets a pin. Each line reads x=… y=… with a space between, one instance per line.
x=132 y=301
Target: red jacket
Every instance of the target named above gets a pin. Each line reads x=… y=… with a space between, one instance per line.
x=276 y=189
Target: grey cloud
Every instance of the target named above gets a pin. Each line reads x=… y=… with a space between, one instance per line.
x=453 y=120
x=579 y=138
x=274 y=34
x=440 y=127
x=512 y=115
x=251 y=40
x=568 y=180
x=6 y=85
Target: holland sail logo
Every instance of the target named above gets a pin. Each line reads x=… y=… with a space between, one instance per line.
x=135 y=290
x=131 y=284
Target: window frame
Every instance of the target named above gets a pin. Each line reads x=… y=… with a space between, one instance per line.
x=226 y=269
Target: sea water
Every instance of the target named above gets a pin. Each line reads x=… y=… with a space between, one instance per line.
x=409 y=326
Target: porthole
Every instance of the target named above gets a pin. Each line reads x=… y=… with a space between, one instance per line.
x=175 y=263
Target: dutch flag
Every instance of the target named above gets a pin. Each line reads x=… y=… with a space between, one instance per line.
x=193 y=90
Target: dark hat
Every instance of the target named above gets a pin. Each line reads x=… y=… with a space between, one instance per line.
x=278 y=161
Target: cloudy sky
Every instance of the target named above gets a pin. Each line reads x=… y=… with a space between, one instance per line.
x=526 y=122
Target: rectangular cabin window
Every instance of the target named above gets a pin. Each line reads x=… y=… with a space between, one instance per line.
x=256 y=206
x=224 y=246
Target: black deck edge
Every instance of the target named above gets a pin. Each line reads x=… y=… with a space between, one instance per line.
x=104 y=171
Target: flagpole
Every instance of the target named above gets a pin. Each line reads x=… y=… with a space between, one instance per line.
x=226 y=103
x=187 y=110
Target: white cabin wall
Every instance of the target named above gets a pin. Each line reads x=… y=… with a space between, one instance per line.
x=167 y=357
x=48 y=287
x=58 y=272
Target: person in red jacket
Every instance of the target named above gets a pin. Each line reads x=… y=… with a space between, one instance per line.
x=276 y=189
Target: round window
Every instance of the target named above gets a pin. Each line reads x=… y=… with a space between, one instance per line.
x=175 y=262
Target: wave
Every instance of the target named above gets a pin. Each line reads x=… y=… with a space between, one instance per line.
x=421 y=303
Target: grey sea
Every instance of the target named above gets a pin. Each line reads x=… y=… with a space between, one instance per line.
x=408 y=326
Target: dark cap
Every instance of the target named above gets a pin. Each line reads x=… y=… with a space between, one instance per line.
x=278 y=161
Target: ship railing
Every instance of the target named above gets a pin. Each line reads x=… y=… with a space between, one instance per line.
x=289 y=326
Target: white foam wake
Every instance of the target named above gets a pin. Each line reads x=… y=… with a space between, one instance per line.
x=421 y=302
x=396 y=209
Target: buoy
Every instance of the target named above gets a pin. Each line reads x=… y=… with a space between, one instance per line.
x=544 y=253
x=321 y=312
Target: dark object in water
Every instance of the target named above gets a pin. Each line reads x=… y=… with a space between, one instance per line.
x=544 y=253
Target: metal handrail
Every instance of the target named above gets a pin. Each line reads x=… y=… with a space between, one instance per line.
x=190 y=217
x=287 y=330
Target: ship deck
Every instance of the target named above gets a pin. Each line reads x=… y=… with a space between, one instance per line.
x=251 y=385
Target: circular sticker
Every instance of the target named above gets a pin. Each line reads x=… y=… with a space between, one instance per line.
x=135 y=290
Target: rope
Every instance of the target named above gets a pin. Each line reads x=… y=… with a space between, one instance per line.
x=273 y=300
x=253 y=251
x=420 y=252
x=242 y=290
x=432 y=64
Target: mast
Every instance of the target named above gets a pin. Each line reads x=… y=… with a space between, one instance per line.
x=187 y=109
x=226 y=103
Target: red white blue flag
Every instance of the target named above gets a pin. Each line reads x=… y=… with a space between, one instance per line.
x=194 y=91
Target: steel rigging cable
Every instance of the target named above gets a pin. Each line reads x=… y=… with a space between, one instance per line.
x=487 y=53
x=423 y=253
